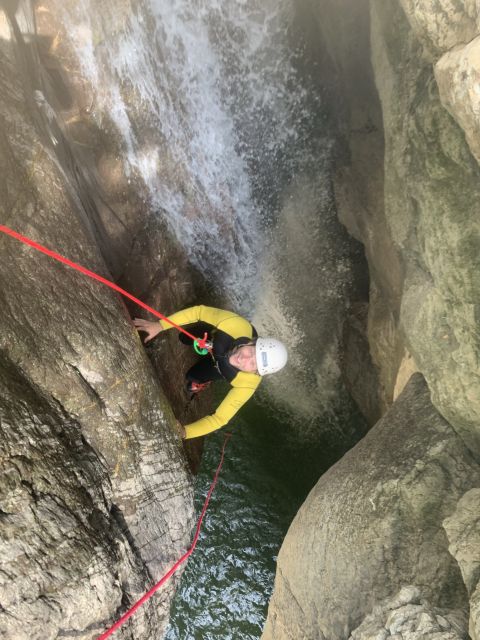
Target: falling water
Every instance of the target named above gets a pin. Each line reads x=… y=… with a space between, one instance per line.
x=212 y=115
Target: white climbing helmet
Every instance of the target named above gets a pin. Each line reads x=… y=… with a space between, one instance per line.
x=271 y=355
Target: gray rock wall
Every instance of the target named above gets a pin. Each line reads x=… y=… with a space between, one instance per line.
x=96 y=499
x=406 y=186
x=373 y=524
x=431 y=207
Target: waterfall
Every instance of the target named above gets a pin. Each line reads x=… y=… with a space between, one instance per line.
x=220 y=111
x=201 y=94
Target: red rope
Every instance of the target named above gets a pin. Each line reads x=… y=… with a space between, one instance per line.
x=186 y=555
x=56 y=256
x=201 y=343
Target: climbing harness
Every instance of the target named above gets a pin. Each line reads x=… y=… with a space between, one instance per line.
x=199 y=344
x=202 y=351
x=202 y=346
x=180 y=561
x=197 y=387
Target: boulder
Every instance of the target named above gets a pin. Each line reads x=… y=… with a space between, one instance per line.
x=442 y=24
x=408 y=615
x=373 y=524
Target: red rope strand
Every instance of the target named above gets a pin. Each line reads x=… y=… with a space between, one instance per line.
x=91 y=274
x=180 y=561
x=201 y=343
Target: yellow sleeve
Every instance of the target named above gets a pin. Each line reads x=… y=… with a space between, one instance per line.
x=233 y=401
x=230 y=322
x=200 y=313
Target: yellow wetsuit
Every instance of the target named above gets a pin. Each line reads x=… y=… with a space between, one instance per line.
x=227 y=329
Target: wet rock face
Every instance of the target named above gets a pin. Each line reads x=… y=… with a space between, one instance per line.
x=358 y=368
x=96 y=500
x=373 y=524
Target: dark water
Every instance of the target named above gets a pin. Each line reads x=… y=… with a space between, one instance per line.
x=226 y=586
x=227 y=583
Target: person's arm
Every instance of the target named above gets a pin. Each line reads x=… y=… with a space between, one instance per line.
x=233 y=401
x=191 y=315
x=200 y=313
x=227 y=321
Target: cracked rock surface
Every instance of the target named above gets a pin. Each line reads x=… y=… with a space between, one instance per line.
x=95 y=497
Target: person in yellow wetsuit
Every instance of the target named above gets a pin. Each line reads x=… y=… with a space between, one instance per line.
x=238 y=355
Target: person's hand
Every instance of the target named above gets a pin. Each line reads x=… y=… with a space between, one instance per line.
x=152 y=329
x=182 y=430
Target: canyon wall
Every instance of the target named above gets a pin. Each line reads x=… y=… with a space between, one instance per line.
x=96 y=500
x=372 y=551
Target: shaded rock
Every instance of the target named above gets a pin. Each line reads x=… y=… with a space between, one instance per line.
x=91 y=150
x=373 y=523
x=157 y=272
x=359 y=177
x=386 y=340
x=360 y=372
x=463 y=532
